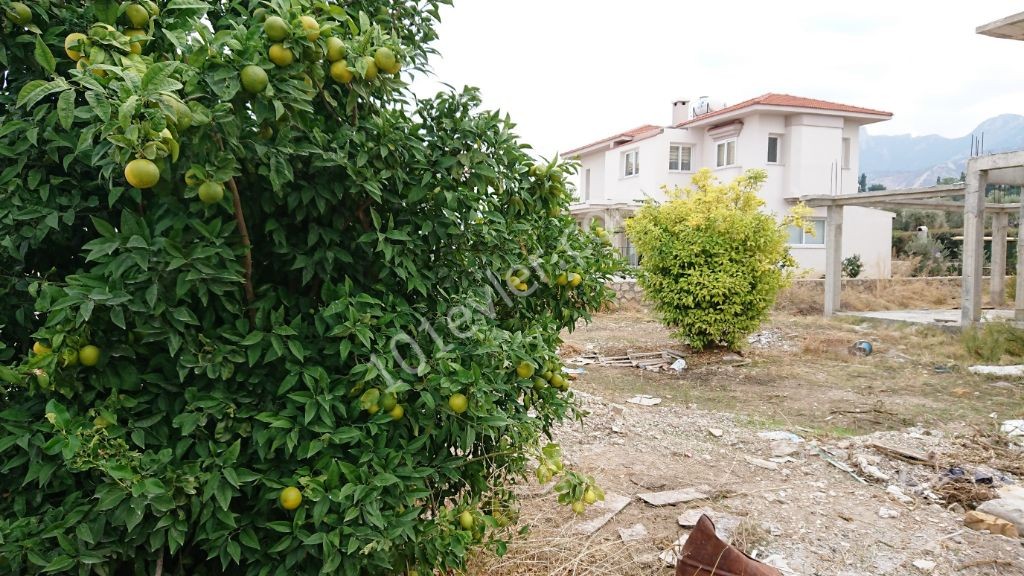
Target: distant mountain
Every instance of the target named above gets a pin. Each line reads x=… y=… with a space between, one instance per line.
x=906 y=161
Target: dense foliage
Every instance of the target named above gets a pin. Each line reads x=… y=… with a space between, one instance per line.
x=711 y=261
x=263 y=312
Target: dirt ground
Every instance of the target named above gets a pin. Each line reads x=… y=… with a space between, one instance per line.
x=913 y=392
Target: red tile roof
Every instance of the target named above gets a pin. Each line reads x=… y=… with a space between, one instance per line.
x=789 y=101
x=628 y=136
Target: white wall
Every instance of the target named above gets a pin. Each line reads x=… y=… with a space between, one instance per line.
x=866 y=232
x=811 y=163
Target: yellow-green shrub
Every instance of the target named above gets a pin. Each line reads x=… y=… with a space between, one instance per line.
x=711 y=261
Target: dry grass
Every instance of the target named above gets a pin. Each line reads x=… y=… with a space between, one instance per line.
x=553 y=548
x=807 y=298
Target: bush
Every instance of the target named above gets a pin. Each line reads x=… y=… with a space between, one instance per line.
x=311 y=322
x=930 y=257
x=990 y=341
x=711 y=261
x=852 y=266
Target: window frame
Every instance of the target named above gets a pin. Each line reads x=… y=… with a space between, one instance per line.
x=635 y=153
x=819 y=241
x=778 y=149
x=689 y=159
x=719 y=145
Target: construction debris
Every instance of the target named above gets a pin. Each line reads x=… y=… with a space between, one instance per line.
x=689 y=518
x=925 y=566
x=633 y=533
x=780 y=435
x=981 y=521
x=903 y=454
x=670 y=497
x=607 y=508
x=1012 y=428
x=716 y=432
x=654 y=361
x=1009 y=506
x=761 y=463
x=1017 y=370
x=645 y=400
x=884 y=512
x=704 y=553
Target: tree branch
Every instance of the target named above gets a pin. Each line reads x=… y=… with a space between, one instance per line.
x=159 y=564
x=250 y=294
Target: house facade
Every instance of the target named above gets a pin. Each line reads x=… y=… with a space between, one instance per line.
x=806 y=146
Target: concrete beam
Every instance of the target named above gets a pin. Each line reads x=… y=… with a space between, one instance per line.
x=973 y=250
x=940 y=205
x=1010 y=27
x=999 y=161
x=997 y=289
x=833 y=259
x=904 y=194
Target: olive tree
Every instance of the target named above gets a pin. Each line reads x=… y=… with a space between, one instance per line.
x=265 y=312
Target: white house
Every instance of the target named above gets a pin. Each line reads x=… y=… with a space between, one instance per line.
x=806 y=146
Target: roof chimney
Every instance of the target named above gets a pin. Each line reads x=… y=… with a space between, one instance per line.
x=680 y=111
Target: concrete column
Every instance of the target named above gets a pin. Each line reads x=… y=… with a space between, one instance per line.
x=833 y=259
x=997 y=289
x=974 y=241
x=1019 y=299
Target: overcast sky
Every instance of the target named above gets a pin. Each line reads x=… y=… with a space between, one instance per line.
x=573 y=71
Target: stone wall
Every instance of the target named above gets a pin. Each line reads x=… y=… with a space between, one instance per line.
x=626 y=290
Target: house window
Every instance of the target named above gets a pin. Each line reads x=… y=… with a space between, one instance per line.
x=586 y=184
x=798 y=235
x=726 y=153
x=679 y=158
x=630 y=163
x=774 y=149
x=846 y=153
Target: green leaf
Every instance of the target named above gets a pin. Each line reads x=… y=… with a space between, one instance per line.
x=33 y=91
x=60 y=563
x=66 y=108
x=44 y=57
x=158 y=78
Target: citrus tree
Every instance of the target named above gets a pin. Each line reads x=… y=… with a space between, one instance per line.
x=712 y=261
x=263 y=311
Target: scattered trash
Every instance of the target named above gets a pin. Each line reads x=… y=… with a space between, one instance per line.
x=654 y=361
x=871 y=470
x=898 y=494
x=716 y=432
x=670 y=497
x=861 y=348
x=1016 y=370
x=704 y=554
x=645 y=400
x=607 y=508
x=1013 y=428
x=782 y=448
x=981 y=521
x=633 y=533
x=1009 y=506
x=761 y=463
x=903 y=454
x=678 y=365
x=942 y=369
x=831 y=460
x=780 y=435
x=925 y=566
x=768 y=339
x=884 y=512
x=574 y=371
x=778 y=561
x=671 y=555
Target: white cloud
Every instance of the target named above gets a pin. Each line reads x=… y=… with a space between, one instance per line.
x=573 y=71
